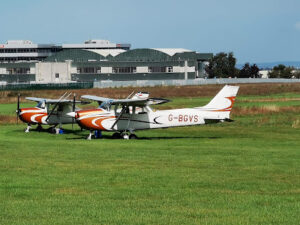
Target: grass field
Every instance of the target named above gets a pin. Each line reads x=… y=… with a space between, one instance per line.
x=245 y=172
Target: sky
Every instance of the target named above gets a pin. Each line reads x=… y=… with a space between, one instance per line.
x=255 y=31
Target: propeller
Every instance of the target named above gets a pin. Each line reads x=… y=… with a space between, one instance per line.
x=18 y=108
x=73 y=109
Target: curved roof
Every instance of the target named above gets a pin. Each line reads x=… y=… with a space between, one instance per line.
x=106 y=52
x=76 y=55
x=172 y=51
x=142 y=54
x=120 y=55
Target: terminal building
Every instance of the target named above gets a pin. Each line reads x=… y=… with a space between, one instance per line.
x=96 y=60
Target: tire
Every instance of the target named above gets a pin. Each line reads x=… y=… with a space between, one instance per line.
x=133 y=136
x=51 y=130
x=116 y=135
x=39 y=128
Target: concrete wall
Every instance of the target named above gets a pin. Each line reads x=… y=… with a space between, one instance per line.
x=3 y=71
x=46 y=72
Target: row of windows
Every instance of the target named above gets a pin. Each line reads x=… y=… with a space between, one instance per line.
x=97 y=70
x=14 y=59
x=17 y=50
x=163 y=69
x=151 y=69
x=18 y=70
x=89 y=70
x=124 y=69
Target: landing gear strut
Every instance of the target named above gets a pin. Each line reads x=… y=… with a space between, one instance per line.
x=28 y=128
x=90 y=135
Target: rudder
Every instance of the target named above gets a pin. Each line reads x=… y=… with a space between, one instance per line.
x=224 y=100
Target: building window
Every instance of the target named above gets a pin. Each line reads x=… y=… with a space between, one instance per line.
x=156 y=69
x=170 y=69
x=18 y=70
x=88 y=70
x=124 y=69
x=57 y=75
x=98 y=69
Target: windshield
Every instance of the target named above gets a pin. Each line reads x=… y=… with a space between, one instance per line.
x=41 y=104
x=106 y=105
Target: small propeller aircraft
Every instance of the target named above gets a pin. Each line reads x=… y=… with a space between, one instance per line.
x=129 y=115
x=51 y=112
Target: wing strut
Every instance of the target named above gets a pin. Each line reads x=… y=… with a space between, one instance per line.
x=119 y=117
x=122 y=112
x=64 y=96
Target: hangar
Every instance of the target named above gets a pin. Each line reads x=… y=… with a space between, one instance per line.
x=115 y=64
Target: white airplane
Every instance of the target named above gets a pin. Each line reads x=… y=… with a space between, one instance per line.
x=129 y=115
x=51 y=112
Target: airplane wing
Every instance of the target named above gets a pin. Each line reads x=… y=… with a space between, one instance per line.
x=128 y=102
x=157 y=101
x=54 y=101
x=96 y=98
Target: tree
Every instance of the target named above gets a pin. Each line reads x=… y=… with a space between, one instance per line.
x=245 y=72
x=281 y=71
x=249 y=71
x=222 y=65
x=254 y=71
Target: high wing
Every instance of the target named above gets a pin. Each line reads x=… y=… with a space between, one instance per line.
x=128 y=102
x=52 y=101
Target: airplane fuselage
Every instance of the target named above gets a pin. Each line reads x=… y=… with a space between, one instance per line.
x=100 y=119
x=36 y=115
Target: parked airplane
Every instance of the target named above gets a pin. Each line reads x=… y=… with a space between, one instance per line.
x=48 y=112
x=129 y=115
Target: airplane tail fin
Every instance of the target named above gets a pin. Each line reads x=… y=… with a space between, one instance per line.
x=224 y=100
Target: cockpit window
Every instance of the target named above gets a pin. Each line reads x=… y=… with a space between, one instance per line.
x=41 y=105
x=105 y=105
x=60 y=108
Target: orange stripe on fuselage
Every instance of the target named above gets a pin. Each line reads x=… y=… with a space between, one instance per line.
x=94 y=123
x=88 y=111
x=26 y=116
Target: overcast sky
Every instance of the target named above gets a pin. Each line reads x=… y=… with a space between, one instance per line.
x=256 y=30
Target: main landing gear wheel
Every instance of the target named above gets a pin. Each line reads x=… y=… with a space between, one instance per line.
x=52 y=130
x=39 y=128
x=116 y=135
x=133 y=136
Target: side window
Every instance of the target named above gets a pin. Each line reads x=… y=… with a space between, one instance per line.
x=60 y=108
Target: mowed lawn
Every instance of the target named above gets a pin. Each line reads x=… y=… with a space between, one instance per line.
x=245 y=172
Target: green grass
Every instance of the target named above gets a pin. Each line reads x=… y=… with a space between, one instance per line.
x=246 y=172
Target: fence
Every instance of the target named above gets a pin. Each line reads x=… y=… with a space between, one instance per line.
x=140 y=83
x=152 y=83
x=46 y=86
